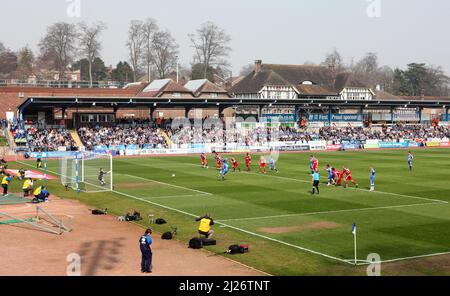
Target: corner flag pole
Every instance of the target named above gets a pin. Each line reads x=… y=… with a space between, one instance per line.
x=354 y=240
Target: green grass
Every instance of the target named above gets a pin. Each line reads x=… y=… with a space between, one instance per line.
x=3 y=141
x=403 y=218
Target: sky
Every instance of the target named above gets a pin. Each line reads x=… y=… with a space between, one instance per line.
x=275 y=31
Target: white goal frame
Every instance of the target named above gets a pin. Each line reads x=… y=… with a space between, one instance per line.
x=75 y=171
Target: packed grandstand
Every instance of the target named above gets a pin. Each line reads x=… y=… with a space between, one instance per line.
x=143 y=134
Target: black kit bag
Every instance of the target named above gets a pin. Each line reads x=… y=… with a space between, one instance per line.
x=195 y=243
x=167 y=235
x=234 y=249
x=208 y=242
x=99 y=212
x=160 y=221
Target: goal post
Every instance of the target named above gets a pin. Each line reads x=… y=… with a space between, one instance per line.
x=87 y=172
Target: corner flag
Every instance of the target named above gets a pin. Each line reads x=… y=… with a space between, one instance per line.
x=354 y=240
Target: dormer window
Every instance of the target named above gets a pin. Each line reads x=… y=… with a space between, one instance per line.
x=176 y=94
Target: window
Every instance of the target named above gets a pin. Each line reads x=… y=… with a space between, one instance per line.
x=176 y=95
x=97 y=118
x=213 y=95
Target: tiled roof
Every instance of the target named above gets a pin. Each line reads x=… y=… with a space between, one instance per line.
x=347 y=79
x=254 y=82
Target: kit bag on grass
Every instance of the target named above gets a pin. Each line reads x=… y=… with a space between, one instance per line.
x=195 y=243
x=160 y=221
x=208 y=242
x=238 y=249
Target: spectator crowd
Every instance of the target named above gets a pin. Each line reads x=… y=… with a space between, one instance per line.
x=50 y=139
x=148 y=134
x=142 y=136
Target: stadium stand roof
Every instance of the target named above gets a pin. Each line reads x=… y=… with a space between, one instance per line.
x=35 y=103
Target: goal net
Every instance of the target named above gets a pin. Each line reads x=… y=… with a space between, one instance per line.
x=87 y=171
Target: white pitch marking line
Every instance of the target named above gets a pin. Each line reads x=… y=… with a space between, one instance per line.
x=365 y=262
x=235 y=228
x=168 y=184
x=174 y=196
x=327 y=212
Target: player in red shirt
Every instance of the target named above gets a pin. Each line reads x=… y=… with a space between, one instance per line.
x=235 y=164
x=262 y=164
x=338 y=177
x=248 y=161
x=204 y=161
x=348 y=177
x=315 y=165
x=219 y=163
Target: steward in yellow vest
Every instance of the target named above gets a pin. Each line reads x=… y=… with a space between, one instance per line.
x=5 y=182
x=205 y=226
x=27 y=187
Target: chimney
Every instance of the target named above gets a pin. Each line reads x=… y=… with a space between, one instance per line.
x=258 y=66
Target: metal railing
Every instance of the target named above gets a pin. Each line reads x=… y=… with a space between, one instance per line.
x=60 y=84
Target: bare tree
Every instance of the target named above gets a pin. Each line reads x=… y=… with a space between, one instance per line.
x=149 y=28
x=25 y=62
x=334 y=59
x=164 y=52
x=90 y=44
x=211 y=46
x=135 y=45
x=58 y=46
x=247 y=69
x=368 y=64
x=385 y=78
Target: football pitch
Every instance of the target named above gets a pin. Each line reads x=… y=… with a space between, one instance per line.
x=291 y=231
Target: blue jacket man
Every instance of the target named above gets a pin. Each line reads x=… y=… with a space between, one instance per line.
x=145 y=243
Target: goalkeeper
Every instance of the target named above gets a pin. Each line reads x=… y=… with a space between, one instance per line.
x=101 y=176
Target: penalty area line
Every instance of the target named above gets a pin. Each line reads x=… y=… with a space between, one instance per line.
x=175 y=196
x=358 y=189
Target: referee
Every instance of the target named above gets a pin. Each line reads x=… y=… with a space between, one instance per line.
x=315 y=182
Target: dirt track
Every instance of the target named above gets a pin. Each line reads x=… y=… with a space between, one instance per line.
x=106 y=246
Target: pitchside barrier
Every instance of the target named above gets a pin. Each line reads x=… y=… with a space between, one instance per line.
x=104 y=152
x=43 y=221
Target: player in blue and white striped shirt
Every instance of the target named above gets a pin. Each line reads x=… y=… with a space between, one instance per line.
x=410 y=160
